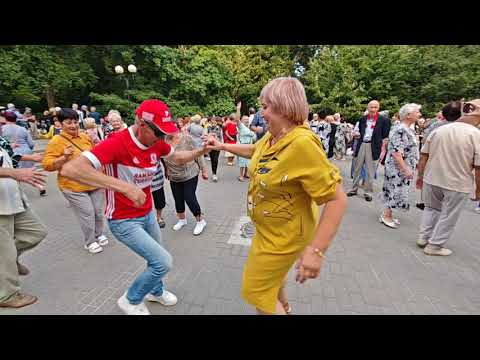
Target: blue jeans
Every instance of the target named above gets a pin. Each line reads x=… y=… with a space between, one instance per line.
x=142 y=235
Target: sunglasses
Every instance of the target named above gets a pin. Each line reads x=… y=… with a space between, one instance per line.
x=468 y=108
x=158 y=133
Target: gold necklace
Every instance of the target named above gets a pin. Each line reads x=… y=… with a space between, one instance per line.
x=275 y=139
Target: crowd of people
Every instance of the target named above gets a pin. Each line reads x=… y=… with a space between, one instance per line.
x=115 y=174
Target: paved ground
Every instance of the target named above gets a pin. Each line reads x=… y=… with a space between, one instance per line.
x=371 y=269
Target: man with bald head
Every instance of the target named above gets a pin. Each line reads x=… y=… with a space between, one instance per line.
x=373 y=130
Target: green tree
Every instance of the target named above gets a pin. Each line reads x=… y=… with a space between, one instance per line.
x=34 y=73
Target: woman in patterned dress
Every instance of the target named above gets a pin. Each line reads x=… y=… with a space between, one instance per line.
x=401 y=160
x=323 y=130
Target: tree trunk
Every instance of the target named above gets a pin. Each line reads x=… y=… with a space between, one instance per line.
x=50 y=97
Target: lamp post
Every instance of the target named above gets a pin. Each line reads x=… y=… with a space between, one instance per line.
x=132 y=69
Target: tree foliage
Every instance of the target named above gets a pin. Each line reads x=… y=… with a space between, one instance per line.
x=345 y=78
x=210 y=79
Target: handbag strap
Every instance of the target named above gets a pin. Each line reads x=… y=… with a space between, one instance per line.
x=71 y=142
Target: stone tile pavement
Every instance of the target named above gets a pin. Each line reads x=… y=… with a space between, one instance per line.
x=370 y=269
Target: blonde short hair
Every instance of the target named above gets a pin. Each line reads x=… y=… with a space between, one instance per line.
x=90 y=123
x=286 y=96
x=113 y=112
x=115 y=115
x=196 y=119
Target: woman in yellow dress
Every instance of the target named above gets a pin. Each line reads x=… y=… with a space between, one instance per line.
x=290 y=177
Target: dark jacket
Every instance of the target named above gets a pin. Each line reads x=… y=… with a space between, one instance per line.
x=380 y=132
x=331 y=141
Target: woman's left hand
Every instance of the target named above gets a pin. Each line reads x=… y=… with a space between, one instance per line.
x=205 y=174
x=308 y=265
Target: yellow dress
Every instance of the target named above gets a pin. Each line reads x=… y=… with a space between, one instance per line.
x=288 y=181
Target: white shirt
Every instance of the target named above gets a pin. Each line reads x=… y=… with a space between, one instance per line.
x=368 y=130
x=12 y=197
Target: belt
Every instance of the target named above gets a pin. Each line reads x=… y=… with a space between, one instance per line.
x=367 y=142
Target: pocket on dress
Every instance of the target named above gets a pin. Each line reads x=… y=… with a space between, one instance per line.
x=281 y=229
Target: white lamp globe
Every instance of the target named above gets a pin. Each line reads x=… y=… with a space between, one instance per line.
x=132 y=68
x=119 y=69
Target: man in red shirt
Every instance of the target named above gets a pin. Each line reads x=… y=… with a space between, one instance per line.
x=230 y=136
x=130 y=161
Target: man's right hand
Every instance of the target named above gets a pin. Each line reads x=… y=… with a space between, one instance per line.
x=30 y=176
x=477 y=196
x=419 y=183
x=135 y=194
x=212 y=143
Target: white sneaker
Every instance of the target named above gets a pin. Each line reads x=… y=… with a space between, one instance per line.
x=421 y=242
x=180 y=224
x=199 y=227
x=93 y=248
x=433 y=250
x=477 y=209
x=167 y=298
x=130 y=309
x=102 y=240
x=214 y=178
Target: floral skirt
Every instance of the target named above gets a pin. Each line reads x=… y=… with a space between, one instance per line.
x=395 y=191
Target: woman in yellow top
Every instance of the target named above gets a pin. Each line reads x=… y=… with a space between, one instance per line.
x=290 y=177
x=86 y=201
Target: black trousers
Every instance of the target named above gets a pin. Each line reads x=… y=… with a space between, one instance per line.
x=214 y=154
x=184 y=192
x=159 y=198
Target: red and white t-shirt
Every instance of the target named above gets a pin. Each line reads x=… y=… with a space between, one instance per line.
x=124 y=157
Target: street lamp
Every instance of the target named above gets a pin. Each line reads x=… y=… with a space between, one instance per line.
x=132 y=69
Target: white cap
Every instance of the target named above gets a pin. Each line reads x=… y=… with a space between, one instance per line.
x=10 y=106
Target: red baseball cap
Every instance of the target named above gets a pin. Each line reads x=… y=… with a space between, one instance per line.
x=156 y=112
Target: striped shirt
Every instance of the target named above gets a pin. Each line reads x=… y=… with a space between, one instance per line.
x=159 y=178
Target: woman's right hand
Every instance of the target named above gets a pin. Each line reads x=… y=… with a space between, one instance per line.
x=36 y=157
x=68 y=151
